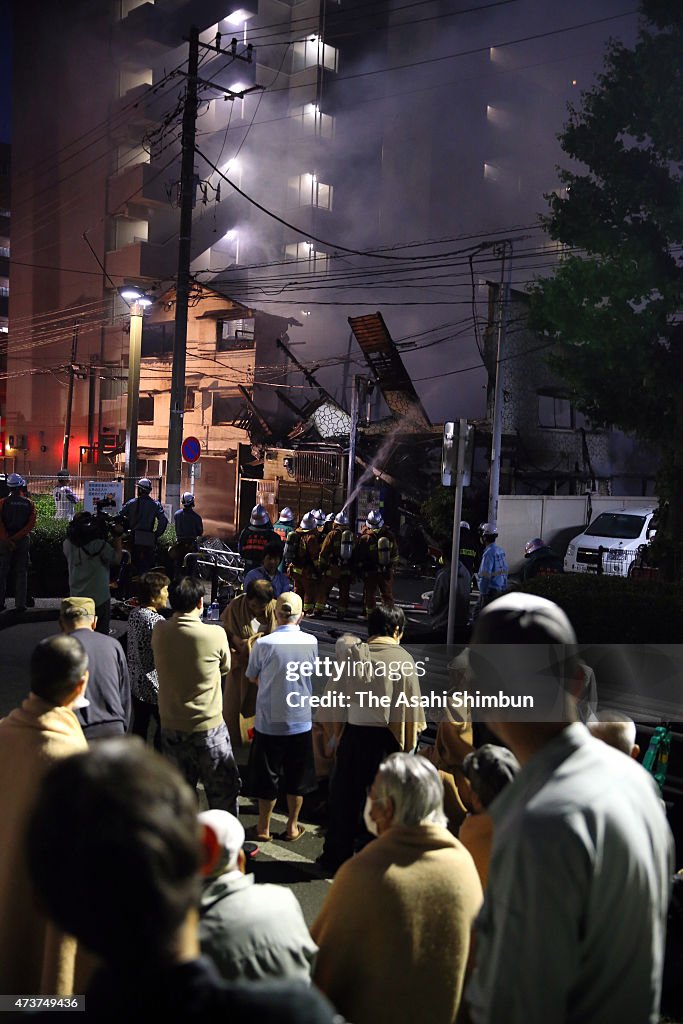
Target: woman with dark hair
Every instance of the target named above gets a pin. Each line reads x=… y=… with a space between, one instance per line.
x=144 y=684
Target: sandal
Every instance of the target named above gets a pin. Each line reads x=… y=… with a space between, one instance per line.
x=292 y=839
x=256 y=837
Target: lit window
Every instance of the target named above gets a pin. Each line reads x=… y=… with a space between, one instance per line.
x=312 y=121
x=234 y=335
x=312 y=52
x=306 y=190
x=305 y=253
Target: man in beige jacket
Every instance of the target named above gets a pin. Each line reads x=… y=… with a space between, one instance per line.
x=35 y=957
x=192 y=658
x=394 y=930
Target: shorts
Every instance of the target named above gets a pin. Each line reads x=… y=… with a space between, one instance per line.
x=273 y=756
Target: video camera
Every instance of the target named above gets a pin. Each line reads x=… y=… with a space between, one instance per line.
x=86 y=526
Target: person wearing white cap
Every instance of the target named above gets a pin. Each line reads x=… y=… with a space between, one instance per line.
x=281 y=664
x=251 y=932
x=574 y=921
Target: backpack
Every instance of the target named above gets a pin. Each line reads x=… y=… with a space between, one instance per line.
x=16 y=512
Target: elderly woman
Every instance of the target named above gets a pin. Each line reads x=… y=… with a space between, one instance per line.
x=394 y=930
x=245 y=619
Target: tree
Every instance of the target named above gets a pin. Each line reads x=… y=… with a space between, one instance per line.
x=614 y=305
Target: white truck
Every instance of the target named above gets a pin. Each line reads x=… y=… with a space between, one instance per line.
x=610 y=544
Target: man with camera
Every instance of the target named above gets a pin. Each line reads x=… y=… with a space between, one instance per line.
x=92 y=547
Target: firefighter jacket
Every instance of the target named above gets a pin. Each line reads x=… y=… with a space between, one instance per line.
x=303 y=550
x=367 y=555
x=333 y=550
x=252 y=543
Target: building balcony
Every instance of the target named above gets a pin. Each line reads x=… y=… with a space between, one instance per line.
x=140 y=185
x=139 y=261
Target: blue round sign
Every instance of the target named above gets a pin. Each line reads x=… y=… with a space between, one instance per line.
x=191 y=449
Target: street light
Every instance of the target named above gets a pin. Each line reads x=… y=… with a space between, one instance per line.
x=138 y=301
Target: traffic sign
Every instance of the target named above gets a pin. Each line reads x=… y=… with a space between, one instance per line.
x=191 y=449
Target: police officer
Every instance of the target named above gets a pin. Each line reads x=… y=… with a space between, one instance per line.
x=65 y=499
x=336 y=556
x=188 y=529
x=493 y=571
x=147 y=521
x=17 y=519
x=254 y=537
x=376 y=557
x=539 y=559
x=301 y=558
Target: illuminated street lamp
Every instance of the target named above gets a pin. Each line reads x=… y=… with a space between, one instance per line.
x=138 y=301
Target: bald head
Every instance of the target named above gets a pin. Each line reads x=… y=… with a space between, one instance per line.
x=616 y=730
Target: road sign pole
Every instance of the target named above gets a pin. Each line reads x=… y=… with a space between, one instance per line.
x=192 y=478
x=457 y=513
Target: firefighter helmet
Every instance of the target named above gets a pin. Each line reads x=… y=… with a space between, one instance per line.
x=286 y=515
x=188 y=499
x=342 y=518
x=464 y=525
x=318 y=515
x=308 y=522
x=375 y=520
x=259 y=516
x=533 y=545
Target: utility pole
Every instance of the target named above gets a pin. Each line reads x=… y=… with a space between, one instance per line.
x=187 y=185
x=70 y=397
x=351 y=471
x=133 y=403
x=497 y=425
x=457 y=512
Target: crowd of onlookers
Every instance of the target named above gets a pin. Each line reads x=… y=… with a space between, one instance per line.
x=523 y=877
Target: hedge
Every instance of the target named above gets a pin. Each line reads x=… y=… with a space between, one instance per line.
x=49 y=576
x=608 y=609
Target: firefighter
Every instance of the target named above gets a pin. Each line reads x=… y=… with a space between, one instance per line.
x=147 y=521
x=17 y=519
x=254 y=537
x=336 y=556
x=319 y=517
x=540 y=560
x=376 y=556
x=188 y=529
x=328 y=525
x=283 y=527
x=469 y=550
x=65 y=499
x=301 y=558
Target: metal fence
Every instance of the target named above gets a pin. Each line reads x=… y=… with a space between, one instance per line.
x=41 y=489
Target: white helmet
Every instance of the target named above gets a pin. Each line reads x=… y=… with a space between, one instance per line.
x=375 y=520
x=188 y=499
x=145 y=485
x=489 y=529
x=259 y=516
x=342 y=518
x=308 y=522
x=286 y=515
x=14 y=481
x=318 y=515
x=533 y=545
x=464 y=525
x=329 y=517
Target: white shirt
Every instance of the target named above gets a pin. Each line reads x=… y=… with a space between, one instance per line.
x=280 y=661
x=573 y=925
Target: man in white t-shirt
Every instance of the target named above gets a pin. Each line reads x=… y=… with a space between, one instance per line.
x=282 y=665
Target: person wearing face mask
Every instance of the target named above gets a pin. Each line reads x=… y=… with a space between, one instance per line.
x=34 y=955
x=383 y=668
x=247 y=617
x=394 y=930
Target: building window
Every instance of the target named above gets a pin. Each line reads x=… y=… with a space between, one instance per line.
x=556 y=412
x=312 y=121
x=146 y=409
x=310 y=258
x=312 y=52
x=189 y=399
x=234 y=335
x=226 y=409
x=157 y=340
x=307 y=190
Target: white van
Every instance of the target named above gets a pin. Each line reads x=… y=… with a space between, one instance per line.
x=620 y=534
